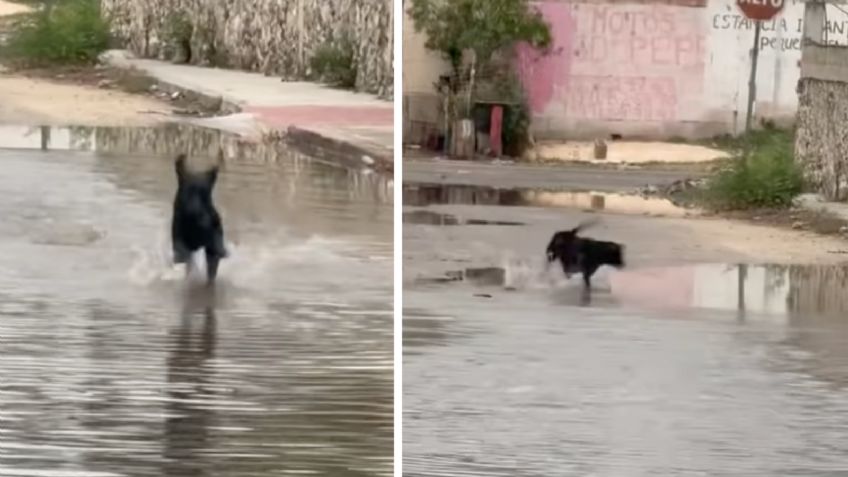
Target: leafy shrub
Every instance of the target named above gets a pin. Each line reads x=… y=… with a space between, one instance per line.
x=69 y=32
x=177 y=35
x=333 y=64
x=483 y=26
x=763 y=173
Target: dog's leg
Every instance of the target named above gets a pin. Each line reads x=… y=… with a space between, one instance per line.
x=586 y=297
x=189 y=266
x=181 y=253
x=217 y=245
x=566 y=268
x=212 y=260
x=588 y=271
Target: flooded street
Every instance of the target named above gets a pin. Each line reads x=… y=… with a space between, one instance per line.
x=113 y=364
x=695 y=360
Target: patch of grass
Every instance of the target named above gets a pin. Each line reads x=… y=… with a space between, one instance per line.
x=68 y=32
x=751 y=140
x=763 y=173
x=332 y=63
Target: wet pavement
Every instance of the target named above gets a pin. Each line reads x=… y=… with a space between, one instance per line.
x=562 y=177
x=436 y=218
x=422 y=195
x=681 y=365
x=112 y=363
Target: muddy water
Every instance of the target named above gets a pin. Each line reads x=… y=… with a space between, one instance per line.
x=113 y=363
x=687 y=370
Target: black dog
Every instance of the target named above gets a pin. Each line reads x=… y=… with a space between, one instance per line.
x=585 y=255
x=196 y=223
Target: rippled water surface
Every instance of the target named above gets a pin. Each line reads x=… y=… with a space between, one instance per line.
x=113 y=364
x=690 y=370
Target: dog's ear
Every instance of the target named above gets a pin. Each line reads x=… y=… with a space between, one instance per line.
x=560 y=239
x=212 y=177
x=180 y=166
x=212 y=174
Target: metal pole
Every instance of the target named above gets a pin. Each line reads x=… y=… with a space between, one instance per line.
x=752 y=83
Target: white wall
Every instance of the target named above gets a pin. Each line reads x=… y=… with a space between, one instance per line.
x=730 y=40
x=421 y=70
x=421 y=67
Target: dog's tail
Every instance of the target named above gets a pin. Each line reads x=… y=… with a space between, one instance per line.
x=585 y=225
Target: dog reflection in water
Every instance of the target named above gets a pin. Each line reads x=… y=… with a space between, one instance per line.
x=191 y=387
x=196 y=223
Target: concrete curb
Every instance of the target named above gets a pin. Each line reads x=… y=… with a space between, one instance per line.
x=338 y=150
x=309 y=142
x=817 y=203
x=324 y=147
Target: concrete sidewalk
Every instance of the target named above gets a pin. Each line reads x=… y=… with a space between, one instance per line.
x=323 y=120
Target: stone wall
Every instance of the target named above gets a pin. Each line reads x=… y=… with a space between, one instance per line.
x=275 y=37
x=821 y=146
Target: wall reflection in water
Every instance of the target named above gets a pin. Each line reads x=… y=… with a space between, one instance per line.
x=777 y=290
x=421 y=195
x=200 y=143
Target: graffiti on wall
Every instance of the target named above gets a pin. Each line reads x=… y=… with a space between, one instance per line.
x=628 y=62
x=624 y=36
x=624 y=97
x=781 y=34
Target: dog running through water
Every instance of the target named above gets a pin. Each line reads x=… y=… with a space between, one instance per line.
x=583 y=254
x=196 y=223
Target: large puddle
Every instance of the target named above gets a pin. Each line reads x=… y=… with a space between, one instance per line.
x=111 y=363
x=428 y=217
x=717 y=370
x=781 y=290
x=422 y=195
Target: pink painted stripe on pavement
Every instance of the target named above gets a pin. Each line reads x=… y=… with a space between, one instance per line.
x=284 y=116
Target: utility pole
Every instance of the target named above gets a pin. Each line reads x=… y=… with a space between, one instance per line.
x=752 y=81
x=759 y=11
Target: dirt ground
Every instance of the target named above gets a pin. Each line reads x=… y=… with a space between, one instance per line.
x=82 y=96
x=105 y=95
x=769 y=235
x=626 y=152
x=10 y=8
x=37 y=101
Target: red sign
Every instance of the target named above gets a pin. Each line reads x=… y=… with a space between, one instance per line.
x=760 y=9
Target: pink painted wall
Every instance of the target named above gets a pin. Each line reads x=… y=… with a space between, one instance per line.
x=652 y=68
x=631 y=66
